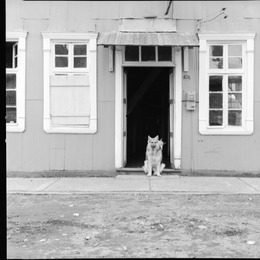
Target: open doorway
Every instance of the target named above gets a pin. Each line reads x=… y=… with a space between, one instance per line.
x=147 y=90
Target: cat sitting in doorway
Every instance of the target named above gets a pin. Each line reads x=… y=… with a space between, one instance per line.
x=153 y=156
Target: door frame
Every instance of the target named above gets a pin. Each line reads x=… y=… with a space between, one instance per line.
x=119 y=105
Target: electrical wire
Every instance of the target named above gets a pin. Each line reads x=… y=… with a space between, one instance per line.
x=222 y=12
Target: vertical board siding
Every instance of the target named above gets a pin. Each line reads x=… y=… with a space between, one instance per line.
x=34 y=72
x=103 y=141
x=106 y=82
x=80 y=16
x=34 y=150
x=13 y=16
x=78 y=152
x=57 y=160
x=58 y=21
x=57 y=141
x=35 y=142
x=14 y=158
x=29 y=10
x=140 y=9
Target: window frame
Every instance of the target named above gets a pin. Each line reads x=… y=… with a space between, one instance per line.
x=139 y=62
x=247 y=70
x=19 y=71
x=49 y=39
x=70 y=69
x=226 y=72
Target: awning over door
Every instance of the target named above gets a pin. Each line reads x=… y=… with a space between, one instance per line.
x=148 y=38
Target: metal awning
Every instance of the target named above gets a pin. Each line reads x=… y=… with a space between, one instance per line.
x=148 y=38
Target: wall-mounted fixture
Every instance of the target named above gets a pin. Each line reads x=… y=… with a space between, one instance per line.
x=190 y=100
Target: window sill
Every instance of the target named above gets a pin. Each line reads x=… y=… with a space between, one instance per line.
x=15 y=128
x=226 y=131
x=91 y=129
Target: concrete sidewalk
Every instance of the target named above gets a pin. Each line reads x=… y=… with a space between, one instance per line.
x=135 y=183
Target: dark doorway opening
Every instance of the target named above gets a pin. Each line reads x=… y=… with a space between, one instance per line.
x=147 y=111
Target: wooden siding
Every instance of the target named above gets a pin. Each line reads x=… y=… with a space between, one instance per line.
x=34 y=150
x=35 y=143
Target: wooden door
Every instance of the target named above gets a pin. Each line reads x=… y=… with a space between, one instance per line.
x=171 y=106
x=124 y=117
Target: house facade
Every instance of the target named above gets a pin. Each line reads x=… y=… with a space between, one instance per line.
x=88 y=81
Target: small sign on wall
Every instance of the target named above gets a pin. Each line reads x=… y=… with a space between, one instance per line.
x=187 y=77
x=191 y=100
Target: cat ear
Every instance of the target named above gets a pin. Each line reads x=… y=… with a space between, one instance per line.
x=156 y=137
x=149 y=138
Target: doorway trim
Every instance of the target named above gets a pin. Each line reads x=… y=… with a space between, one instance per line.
x=119 y=115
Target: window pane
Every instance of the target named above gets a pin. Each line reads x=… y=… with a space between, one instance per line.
x=215 y=100
x=216 y=50
x=215 y=117
x=235 y=100
x=235 y=83
x=9 y=54
x=10 y=98
x=235 y=63
x=216 y=63
x=61 y=49
x=164 y=53
x=10 y=115
x=132 y=53
x=80 y=49
x=80 y=62
x=215 y=83
x=234 y=50
x=61 y=62
x=235 y=117
x=16 y=49
x=148 y=53
x=10 y=81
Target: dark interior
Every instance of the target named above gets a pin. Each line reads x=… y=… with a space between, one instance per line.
x=147 y=111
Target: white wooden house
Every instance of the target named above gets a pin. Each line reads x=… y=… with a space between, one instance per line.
x=88 y=81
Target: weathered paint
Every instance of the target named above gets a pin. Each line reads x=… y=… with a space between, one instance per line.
x=35 y=150
x=35 y=143
x=150 y=39
x=223 y=153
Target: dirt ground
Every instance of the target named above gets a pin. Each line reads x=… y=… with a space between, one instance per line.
x=133 y=225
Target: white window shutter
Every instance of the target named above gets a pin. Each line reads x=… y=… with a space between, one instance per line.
x=70 y=101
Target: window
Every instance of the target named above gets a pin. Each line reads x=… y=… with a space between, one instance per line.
x=226 y=84
x=225 y=74
x=70 y=57
x=11 y=66
x=132 y=53
x=15 y=81
x=70 y=97
x=148 y=53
